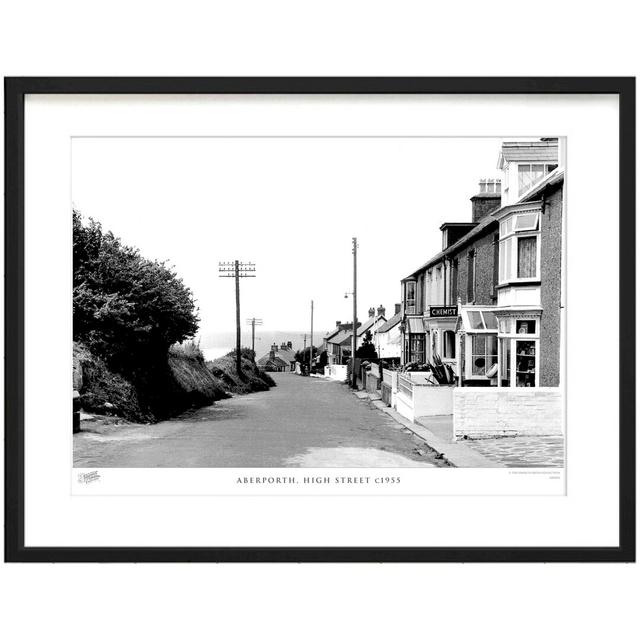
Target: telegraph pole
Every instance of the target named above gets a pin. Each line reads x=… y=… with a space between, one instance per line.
x=253 y=322
x=311 y=347
x=354 y=340
x=237 y=270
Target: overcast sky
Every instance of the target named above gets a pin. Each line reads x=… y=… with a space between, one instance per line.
x=291 y=206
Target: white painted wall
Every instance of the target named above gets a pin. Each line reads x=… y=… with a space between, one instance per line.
x=507 y=411
x=336 y=372
x=427 y=401
x=389 y=343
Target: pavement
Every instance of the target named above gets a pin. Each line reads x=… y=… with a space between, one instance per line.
x=522 y=451
x=452 y=453
x=302 y=422
x=512 y=452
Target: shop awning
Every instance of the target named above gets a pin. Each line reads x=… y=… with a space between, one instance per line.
x=415 y=325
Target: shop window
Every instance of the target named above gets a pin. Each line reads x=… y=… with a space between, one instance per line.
x=527 y=257
x=525 y=326
x=484 y=354
x=448 y=344
x=525 y=363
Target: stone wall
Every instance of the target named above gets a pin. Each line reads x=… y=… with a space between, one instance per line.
x=507 y=411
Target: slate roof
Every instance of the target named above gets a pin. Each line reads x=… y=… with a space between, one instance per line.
x=286 y=355
x=389 y=324
x=535 y=151
x=339 y=337
x=337 y=330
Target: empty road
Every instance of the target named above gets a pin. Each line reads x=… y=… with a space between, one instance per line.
x=303 y=422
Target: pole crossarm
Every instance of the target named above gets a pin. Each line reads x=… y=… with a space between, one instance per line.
x=236 y=269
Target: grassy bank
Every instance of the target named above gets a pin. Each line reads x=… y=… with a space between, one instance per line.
x=252 y=379
x=183 y=381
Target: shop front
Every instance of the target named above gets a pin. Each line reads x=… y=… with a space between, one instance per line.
x=415 y=340
x=440 y=328
x=500 y=346
x=519 y=347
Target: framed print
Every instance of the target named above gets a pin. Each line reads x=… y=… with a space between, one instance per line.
x=320 y=319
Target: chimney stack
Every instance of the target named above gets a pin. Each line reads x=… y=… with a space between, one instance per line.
x=381 y=310
x=372 y=312
x=398 y=307
x=338 y=323
x=290 y=344
x=487 y=199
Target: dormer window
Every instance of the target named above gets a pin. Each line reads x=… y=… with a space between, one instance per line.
x=531 y=174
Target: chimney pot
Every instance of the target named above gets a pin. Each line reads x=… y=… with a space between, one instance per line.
x=487 y=199
x=372 y=312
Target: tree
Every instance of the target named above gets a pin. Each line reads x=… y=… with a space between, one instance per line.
x=126 y=309
x=367 y=349
x=302 y=356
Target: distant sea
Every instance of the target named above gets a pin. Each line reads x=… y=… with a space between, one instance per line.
x=216 y=352
x=215 y=345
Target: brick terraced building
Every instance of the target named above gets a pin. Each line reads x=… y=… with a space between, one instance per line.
x=490 y=304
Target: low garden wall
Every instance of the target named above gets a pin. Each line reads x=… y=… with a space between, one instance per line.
x=421 y=400
x=482 y=411
x=336 y=372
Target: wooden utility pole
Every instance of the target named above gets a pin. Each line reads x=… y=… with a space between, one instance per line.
x=354 y=341
x=311 y=347
x=237 y=270
x=253 y=322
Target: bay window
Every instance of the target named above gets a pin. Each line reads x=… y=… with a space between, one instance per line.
x=519 y=251
x=410 y=297
x=527 y=254
x=484 y=353
x=481 y=351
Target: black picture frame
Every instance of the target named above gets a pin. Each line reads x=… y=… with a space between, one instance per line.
x=15 y=91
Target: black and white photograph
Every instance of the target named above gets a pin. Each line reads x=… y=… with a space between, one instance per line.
x=351 y=311
x=319 y=302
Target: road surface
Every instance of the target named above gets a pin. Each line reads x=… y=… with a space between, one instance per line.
x=303 y=422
